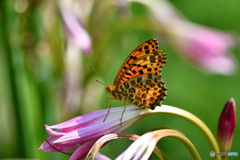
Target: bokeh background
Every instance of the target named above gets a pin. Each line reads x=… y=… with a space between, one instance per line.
x=46 y=48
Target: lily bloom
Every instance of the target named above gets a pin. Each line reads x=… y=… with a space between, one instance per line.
x=78 y=41
x=74 y=26
x=206 y=48
x=143 y=146
x=81 y=132
x=226 y=126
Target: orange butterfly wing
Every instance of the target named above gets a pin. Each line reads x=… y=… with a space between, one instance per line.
x=138 y=81
x=146 y=58
x=144 y=91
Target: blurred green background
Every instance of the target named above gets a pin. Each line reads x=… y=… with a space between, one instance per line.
x=35 y=88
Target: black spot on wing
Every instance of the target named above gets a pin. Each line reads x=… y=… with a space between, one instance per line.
x=133 y=57
x=146 y=47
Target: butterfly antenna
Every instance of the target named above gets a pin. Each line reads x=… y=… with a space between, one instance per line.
x=98 y=76
x=101 y=82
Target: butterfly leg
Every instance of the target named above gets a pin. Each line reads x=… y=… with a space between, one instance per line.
x=123 y=110
x=108 y=108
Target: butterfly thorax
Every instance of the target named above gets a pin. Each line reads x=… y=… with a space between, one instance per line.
x=111 y=89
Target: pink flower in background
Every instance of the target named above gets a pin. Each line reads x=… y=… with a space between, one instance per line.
x=75 y=28
x=226 y=126
x=80 y=133
x=78 y=41
x=206 y=48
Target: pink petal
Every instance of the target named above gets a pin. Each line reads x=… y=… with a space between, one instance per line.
x=82 y=151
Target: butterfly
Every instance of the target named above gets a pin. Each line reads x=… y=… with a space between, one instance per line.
x=138 y=80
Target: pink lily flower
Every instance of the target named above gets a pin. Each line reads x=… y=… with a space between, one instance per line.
x=81 y=132
x=75 y=27
x=204 y=47
x=226 y=126
x=81 y=153
x=78 y=41
x=143 y=147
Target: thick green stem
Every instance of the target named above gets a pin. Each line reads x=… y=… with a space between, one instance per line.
x=175 y=134
x=164 y=109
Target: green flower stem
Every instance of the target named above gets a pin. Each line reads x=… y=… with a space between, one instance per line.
x=164 y=109
x=175 y=134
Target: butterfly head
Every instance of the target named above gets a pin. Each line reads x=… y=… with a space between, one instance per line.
x=110 y=88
